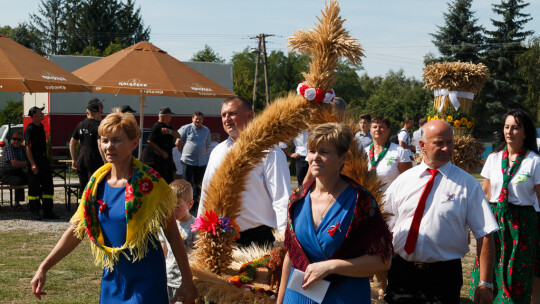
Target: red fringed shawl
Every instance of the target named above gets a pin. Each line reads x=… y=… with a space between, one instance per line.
x=367 y=233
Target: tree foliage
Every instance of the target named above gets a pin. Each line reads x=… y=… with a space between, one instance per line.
x=529 y=70
x=460 y=38
x=504 y=88
x=88 y=26
x=25 y=35
x=12 y=113
x=207 y=55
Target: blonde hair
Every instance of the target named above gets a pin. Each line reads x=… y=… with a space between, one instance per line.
x=182 y=188
x=337 y=134
x=119 y=121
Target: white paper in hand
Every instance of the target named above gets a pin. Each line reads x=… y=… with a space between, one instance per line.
x=316 y=291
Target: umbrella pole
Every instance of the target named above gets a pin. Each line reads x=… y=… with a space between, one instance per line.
x=142 y=98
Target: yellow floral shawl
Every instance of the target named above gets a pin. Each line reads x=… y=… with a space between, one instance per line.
x=149 y=204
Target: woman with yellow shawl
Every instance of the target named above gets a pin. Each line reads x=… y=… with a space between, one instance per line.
x=122 y=208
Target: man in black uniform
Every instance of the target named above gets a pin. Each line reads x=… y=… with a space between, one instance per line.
x=40 y=182
x=90 y=156
x=160 y=145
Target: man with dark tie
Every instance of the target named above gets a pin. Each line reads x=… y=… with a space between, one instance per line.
x=434 y=205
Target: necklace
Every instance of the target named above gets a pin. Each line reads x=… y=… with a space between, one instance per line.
x=332 y=199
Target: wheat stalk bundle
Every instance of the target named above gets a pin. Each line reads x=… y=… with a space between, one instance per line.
x=455 y=76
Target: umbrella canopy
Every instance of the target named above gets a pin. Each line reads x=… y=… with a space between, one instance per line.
x=22 y=70
x=145 y=68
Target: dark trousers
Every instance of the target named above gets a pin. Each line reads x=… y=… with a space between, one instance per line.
x=194 y=175
x=302 y=167
x=165 y=167
x=40 y=185
x=15 y=178
x=414 y=283
x=261 y=235
x=87 y=163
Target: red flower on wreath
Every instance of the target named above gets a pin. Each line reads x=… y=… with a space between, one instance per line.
x=208 y=221
x=129 y=193
x=146 y=185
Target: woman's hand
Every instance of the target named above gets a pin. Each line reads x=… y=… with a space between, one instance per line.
x=187 y=293
x=316 y=271
x=38 y=282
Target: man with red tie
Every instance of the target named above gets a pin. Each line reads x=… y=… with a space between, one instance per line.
x=434 y=205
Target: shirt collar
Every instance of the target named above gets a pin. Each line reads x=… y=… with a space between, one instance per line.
x=229 y=141
x=444 y=170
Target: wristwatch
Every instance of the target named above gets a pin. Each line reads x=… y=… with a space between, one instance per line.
x=486 y=284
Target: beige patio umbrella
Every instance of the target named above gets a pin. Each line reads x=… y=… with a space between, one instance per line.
x=22 y=70
x=144 y=69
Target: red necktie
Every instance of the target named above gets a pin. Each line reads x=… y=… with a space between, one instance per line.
x=418 y=213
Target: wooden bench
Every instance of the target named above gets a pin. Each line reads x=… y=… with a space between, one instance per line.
x=69 y=189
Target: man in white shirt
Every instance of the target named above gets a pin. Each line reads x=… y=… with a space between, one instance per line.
x=417 y=134
x=299 y=155
x=268 y=186
x=404 y=139
x=434 y=205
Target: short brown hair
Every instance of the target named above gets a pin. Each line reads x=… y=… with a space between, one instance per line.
x=337 y=134
x=181 y=188
x=384 y=120
x=119 y=121
x=245 y=103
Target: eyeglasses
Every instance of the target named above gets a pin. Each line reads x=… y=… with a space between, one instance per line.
x=16 y=138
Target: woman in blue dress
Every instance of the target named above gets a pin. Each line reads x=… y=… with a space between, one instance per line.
x=123 y=206
x=335 y=231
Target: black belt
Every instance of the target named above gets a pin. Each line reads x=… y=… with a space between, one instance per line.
x=511 y=205
x=430 y=266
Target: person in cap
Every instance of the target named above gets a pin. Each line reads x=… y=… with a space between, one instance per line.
x=158 y=152
x=40 y=181
x=127 y=109
x=13 y=162
x=90 y=156
x=434 y=206
x=100 y=104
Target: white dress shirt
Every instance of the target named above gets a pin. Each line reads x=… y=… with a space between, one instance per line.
x=416 y=135
x=455 y=204
x=268 y=186
x=387 y=169
x=521 y=190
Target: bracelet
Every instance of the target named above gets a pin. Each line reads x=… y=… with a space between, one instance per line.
x=486 y=284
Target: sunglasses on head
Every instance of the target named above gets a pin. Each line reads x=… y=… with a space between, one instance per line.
x=16 y=138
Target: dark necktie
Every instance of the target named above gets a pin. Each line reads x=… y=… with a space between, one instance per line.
x=418 y=213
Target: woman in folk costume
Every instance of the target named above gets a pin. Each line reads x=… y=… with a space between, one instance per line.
x=336 y=231
x=123 y=206
x=512 y=186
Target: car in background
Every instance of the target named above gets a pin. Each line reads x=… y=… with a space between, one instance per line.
x=6 y=131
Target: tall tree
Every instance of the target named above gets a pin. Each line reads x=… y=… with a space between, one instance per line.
x=207 y=54
x=460 y=38
x=504 y=87
x=25 y=35
x=529 y=70
x=47 y=22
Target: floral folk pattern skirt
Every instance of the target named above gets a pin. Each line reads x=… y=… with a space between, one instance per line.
x=515 y=255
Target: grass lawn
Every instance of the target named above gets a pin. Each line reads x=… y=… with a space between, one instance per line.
x=74 y=280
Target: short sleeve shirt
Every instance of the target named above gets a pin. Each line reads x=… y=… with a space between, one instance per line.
x=403 y=135
x=387 y=168
x=35 y=135
x=194 y=142
x=164 y=141
x=11 y=153
x=87 y=133
x=455 y=204
x=521 y=187
x=363 y=140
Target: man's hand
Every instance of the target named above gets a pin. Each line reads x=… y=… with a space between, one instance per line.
x=295 y=155
x=483 y=295
x=164 y=154
x=74 y=165
x=34 y=169
x=166 y=131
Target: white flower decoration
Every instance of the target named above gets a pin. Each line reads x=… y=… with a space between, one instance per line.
x=310 y=94
x=329 y=97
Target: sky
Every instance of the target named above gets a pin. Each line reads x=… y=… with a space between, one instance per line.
x=395 y=34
